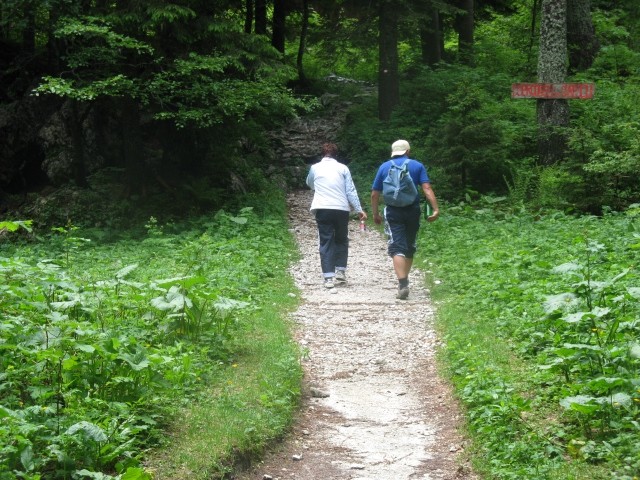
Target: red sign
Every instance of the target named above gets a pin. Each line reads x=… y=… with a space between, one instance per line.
x=553 y=90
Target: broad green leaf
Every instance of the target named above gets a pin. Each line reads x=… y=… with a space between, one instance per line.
x=634 y=350
x=561 y=301
x=134 y=473
x=86 y=348
x=94 y=475
x=580 y=403
x=569 y=267
x=69 y=363
x=615 y=400
x=227 y=304
x=26 y=458
x=123 y=272
x=5 y=412
x=90 y=430
x=168 y=282
x=634 y=292
x=575 y=317
x=583 y=346
x=239 y=220
x=136 y=361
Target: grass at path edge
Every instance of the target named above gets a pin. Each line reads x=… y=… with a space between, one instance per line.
x=252 y=403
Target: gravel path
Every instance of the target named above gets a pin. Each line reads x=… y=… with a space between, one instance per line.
x=373 y=405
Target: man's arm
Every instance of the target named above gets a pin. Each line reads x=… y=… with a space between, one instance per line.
x=431 y=198
x=375 y=200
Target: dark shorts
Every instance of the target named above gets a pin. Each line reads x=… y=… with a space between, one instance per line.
x=401 y=225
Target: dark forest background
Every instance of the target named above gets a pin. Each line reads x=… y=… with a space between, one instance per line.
x=111 y=111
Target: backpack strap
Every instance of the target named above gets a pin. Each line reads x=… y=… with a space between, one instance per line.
x=402 y=165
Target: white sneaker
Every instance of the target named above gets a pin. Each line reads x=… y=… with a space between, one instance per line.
x=328 y=282
x=341 y=276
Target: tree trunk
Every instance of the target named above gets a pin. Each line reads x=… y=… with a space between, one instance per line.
x=465 y=27
x=248 y=16
x=430 y=36
x=553 y=115
x=132 y=147
x=581 y=35
x=388 y=82
x=261 y=17
x=303 y=42
x=278 y=22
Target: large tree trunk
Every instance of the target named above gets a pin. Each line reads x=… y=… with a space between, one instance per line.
x=388 y=82
x=303 y=42
x=464 y=25
x=248 y=16
x=261 y=17
x=132 y=150
x=581 y=35
x=279 y=19
x=553 y=115
x=430 y=36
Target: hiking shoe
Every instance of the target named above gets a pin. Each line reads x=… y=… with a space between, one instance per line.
x=340 y=277
x=403 y=293
x=328 y=282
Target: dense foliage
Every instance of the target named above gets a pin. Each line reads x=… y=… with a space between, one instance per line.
x=540 y=314
x=122 y=118
x=102 y=344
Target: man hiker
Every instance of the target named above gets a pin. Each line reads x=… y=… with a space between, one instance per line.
x=402 y=220
x=334 y=196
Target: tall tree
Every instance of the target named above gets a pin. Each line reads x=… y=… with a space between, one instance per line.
x=581 y=36
x=430 y=35
x=388 y=81
x=465 y=25
x=261 y=17
x=278 y=22
x=553 y=115
x=248 y=16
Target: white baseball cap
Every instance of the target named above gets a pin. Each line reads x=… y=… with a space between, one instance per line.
x=399 y=147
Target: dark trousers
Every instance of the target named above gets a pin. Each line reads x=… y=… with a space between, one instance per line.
x=401 y=226
x=333 y=239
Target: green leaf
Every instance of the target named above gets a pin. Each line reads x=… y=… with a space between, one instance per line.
x=94 y=475
x=227 y=304
x=580 y=403
x=561 y=301
x=86 y=348
x=621 y=399
x=134 y=473
x=569 y=267
x=634 y=292
x=6 y=413
x=126 y=270
x=69 y=363
x=89 y=430
x=575 y=317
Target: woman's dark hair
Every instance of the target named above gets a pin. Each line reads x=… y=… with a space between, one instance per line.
x=330 y=150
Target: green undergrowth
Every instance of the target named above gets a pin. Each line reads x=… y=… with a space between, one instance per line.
x=540 y=316
x=161 y=355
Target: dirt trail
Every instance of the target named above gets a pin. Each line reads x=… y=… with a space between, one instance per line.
x=373 y=406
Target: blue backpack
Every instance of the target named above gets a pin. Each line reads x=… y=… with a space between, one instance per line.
x=398 y=189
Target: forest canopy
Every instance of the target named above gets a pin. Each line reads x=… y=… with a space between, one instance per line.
x=170 y=100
